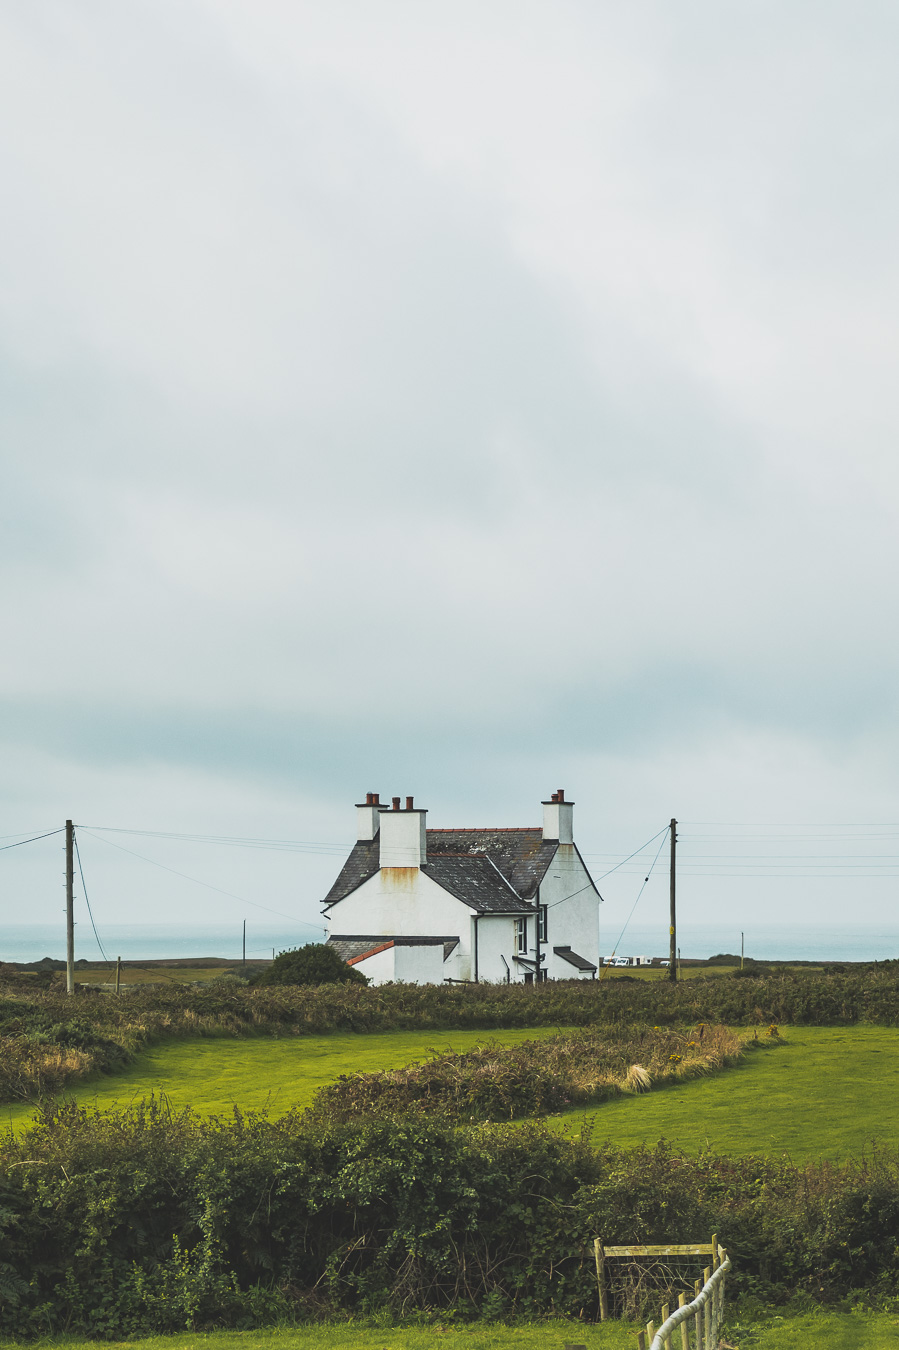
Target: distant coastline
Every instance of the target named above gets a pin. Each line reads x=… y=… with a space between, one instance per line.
x=32 y=942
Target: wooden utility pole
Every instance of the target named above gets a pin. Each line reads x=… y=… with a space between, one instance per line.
x=118 y=973
x=244 y=944
x=70 y=907
x=672 y=954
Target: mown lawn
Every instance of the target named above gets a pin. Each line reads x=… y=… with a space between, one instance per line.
x=826 y=1093
x=212 y=1076
x=812 y=1331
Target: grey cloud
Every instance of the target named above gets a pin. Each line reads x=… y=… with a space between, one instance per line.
x=449 y=398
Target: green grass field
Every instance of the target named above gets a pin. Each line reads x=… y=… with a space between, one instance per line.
x=811 y=1331
x=826 y=1093
x=212 y=1076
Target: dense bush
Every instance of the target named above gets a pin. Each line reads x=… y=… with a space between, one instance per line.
x=108 y=1030
x=508 y=1082
x=313 y=964
x=121 y=1224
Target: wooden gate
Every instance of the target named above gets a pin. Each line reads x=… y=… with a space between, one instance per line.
x=698 y=1321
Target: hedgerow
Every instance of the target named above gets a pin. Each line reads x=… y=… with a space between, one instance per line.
x=507 y=1082
x=98 y=1032
x=121 y=1224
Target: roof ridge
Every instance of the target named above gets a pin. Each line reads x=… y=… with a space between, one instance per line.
x=483 y=829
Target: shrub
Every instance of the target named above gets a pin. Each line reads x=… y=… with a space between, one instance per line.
x=124 y=1224
x=313 y=964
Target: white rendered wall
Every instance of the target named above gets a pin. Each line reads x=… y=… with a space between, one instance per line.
x=419 y=965
x=496 y=939
x=368 y=820
x=403 y=840
x=558 y=821
x=380 y=967
x=405 y=902
x=571 y=914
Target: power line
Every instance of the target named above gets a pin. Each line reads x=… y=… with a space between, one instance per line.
x=254 y=903
x=88 y=903
x=642 y=889
x=633 y=855
x=32 y=839
x=233 y=841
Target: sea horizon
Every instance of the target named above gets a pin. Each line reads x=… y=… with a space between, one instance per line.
x=154 y=942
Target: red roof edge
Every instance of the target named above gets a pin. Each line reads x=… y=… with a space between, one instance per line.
x=374 y=951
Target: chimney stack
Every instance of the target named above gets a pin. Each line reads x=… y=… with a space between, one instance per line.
x=558 y=820
x=368 y=816
x=404 y=841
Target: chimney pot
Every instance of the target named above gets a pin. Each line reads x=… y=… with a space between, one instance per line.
x=376 y=799
x=554 y=797
x=396 y=803
x=561 y=795
x=368 y=800
x=408 y=803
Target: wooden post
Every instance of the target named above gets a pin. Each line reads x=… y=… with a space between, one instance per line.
x=699 y=1332
x=684 y=1333
x=666 y=1313
x=70 y=907
x=641 y=1341
x=672 y=945
x=601 y=1280
x=650 y=1332
x=118 y=972
x=716 y=1260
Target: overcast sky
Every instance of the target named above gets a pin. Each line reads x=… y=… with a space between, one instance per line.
x=458 y=399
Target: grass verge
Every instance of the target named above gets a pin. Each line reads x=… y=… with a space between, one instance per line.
x=807 y=1331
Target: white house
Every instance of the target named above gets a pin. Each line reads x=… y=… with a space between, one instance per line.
x=425 y=906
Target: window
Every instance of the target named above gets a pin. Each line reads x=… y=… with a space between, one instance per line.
x=521 y=935
x=542 y=923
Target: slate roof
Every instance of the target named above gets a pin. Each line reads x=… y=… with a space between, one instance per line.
x=352 y=946
x=359 y=866
x=475 y=881
x=574 y=959
x=521 y=856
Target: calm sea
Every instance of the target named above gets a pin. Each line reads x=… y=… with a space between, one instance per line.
x=31 y=942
